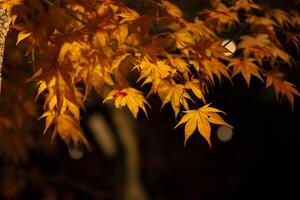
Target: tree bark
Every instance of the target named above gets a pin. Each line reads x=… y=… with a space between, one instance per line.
x=4 y=27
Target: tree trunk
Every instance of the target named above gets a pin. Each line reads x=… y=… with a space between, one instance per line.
x=4 y=26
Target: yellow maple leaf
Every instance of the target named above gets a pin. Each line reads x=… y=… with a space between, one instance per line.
x=278 y=53
x=246 y=67
x=221 y=14
x=101 y=37
x=69 y=130
x=199 y=28
x=184 y=39
x=246 y=5
x=131 y=97
x=180 y=64
x=282 y=87
x=50 y=116
x=194 y=86
x=293 y=38
x=120 y=33
x=22 y=36
x=282 y=18
x=95 y=76
x=70 y=106
x=251 y=41
x=172 y=9
x=259 y=46
x=259 y=21
x=128 y=16
x=73 y=52
x=215 y=67
x=118 y=60
x=201 y=119
x=153 y=73
x=174 y=93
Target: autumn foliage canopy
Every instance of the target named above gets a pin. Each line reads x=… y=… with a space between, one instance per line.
x=127 y=51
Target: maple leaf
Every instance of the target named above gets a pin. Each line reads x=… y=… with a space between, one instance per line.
x=295 y=19
x=116 y=63
x=199 y=27
x=120 y=33
x=282 y=18
x=101 y=38
x=294 y=38
x=180 y=64
x=256 y=21
x=246 y=5
x=281 y=86
x=259 y=46
x=69 y=130
x=95 y=76
x=201 y=119
x=221 y=14
x=153 y=73
x=175 y=93
x=73 y=52
x=250 y=41
x=194 y=86
x=50 y=116
x=128 y=16
x=184 y=39
x=246 y=67
x=22 y=36
x=214 y=66
x=173 y=10
x=278 y=53
x=131 y=97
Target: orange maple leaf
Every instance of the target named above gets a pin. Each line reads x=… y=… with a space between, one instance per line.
x=282 y=87
x=246 y=67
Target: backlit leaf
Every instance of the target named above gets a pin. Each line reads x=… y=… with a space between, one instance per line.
x=282 y=87
x=246 y=67
x=131 y=97
x=22 y=36
x=201 y=119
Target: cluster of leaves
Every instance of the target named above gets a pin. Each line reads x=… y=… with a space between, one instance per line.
x=75 y=46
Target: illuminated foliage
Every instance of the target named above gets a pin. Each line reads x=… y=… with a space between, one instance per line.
x=76 y=46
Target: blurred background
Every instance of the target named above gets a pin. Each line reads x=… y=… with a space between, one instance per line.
x=146 y=159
